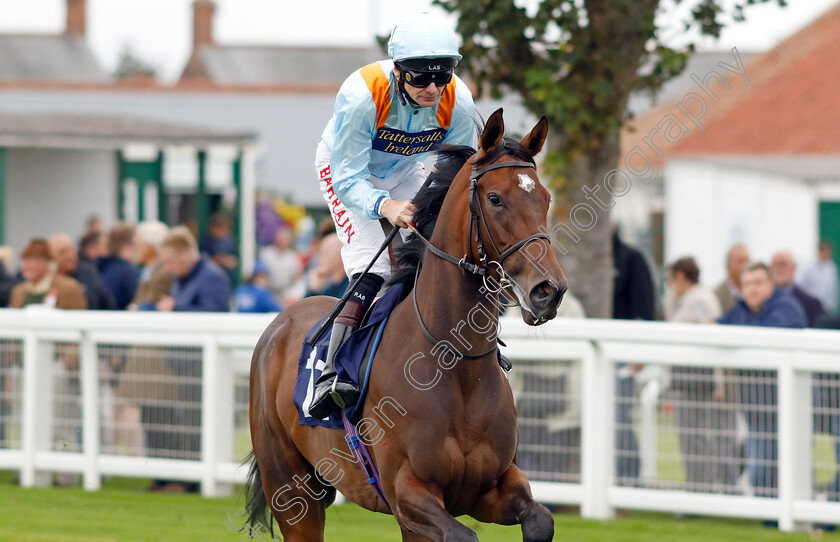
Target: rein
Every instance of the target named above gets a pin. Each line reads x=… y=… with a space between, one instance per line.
x=482 y=269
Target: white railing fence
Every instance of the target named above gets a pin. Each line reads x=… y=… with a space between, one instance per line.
x=64 y=378
x=164 y=396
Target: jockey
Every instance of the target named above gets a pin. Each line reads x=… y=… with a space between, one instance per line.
x=388 y=117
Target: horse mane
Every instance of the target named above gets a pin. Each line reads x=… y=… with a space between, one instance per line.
x=450 y=160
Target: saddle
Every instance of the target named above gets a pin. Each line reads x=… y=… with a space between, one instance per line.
x=352 y=361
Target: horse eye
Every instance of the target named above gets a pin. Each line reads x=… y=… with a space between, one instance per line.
x=494 y=198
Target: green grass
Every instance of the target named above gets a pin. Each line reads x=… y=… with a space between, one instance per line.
x=670 y=466
x=123 y=511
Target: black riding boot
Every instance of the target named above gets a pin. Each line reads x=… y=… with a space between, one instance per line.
x=330 y=392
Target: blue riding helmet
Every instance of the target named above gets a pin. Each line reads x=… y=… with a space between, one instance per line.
x=424 y=49
x=423 y=35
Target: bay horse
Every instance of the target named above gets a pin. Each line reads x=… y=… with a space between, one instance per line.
x=439 y=418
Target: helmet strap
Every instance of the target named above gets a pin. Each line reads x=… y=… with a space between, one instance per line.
x=405 y=97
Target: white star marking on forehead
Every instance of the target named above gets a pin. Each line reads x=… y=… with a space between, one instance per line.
x=526 y=183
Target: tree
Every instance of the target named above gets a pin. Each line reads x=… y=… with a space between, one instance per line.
x=577 y=62
x=130 y=65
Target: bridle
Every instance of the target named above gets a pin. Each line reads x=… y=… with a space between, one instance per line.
x=483 y=267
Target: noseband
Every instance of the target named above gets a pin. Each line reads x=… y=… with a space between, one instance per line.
x=482 y=268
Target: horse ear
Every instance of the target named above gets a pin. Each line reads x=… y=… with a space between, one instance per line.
x=493 y=131
x=533 y=142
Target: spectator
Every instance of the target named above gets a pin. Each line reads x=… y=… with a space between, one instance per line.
x=94 y=224
x=7 y=280
x=92 y=247
x=254 y=295
x=706 y=427
x=118 y=273
x=155 y=281
x=828 y=321
x=67 y=261
x=220 y=246
x=782 y=268
x=140 y=408
x=9 y=361
x=633 y=298
x=820 y=279
x=687 y=300
x=267 y=220
x=309 y=257
x=134 y=367
x=283 y=264
x=42 y=284
x=729 y=291
x=762 y=305
x=198 y=283
x=328 y=277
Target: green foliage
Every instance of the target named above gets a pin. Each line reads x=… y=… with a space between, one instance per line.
x=577 y=61
x=131 y=65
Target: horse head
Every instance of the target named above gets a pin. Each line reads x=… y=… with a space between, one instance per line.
x=512 y=207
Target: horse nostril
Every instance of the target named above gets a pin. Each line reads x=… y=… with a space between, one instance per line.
x=543 y=293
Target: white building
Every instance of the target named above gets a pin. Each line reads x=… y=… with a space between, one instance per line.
x=757 y=162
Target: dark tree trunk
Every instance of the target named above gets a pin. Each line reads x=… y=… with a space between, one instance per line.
x=588 y=262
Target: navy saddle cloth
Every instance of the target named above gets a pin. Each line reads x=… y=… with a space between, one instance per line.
x=348 y=361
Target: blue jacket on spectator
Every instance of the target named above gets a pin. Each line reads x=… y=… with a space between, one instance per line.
x=780 y=310
x=252 y=298
x=121 y=278
x=97 y=293
x=810 y=304
x=211 y=245
x=758 y=390
x=205 y=289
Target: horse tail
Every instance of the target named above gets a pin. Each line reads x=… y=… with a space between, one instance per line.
x=256 y=502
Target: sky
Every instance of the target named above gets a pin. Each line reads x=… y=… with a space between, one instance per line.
x=159 y=31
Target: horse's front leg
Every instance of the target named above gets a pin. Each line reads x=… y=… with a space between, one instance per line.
x=420 y=512
x=511 y=502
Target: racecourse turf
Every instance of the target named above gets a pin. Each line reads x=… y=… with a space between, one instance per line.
x=123 y=511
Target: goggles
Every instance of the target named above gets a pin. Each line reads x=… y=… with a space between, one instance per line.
x=422 y=79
